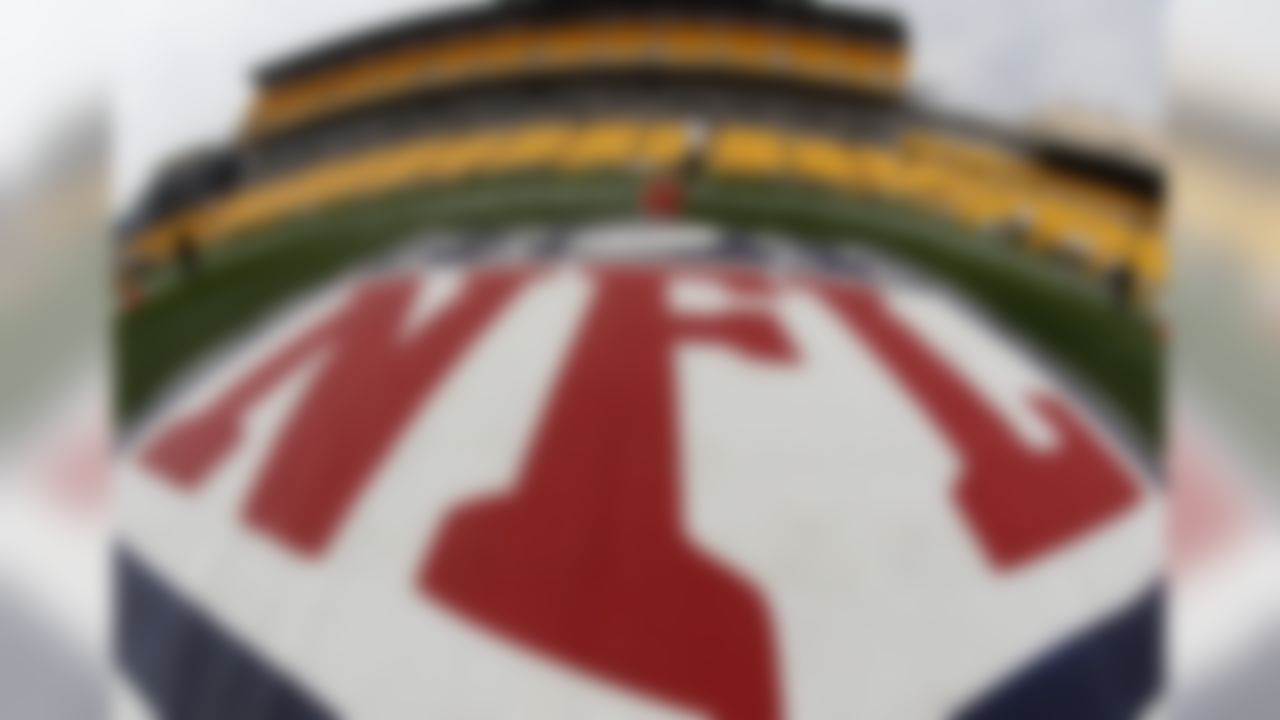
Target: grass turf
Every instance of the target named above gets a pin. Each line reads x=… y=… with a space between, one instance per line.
x=1111 y=350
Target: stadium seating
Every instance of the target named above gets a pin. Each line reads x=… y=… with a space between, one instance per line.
x=752 y=49
x=748 y=151
x=664 y=145
x=687 y=44
x=812 y=55
x=972 y=183
x=746 y=49
x=569 y=47
x=504 y=52
x=823 y=161
x=531 y=148
x=1148 y=255
x=602 y=145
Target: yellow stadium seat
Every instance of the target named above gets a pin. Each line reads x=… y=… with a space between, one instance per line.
x=811 y=55
x=462 y=156
x=663 y=146
x=924 y=182
x=960 y=153
x=340 y=180
x=747 y=151
x=286 y=106
x=627 y=42
x=867 y=66
x=570 y=47
x=878 y=170
x=505 y=52
x=1149 y=257
x=689 y=44
x=386 y=75
x=530 y=148
x=158 y=241
x=1064 y=226
x=455 y=61
x=396 y=72
x=605 y=144
x=823 y=161
x=1109 y=238
x=979 y=202
x=752 y=49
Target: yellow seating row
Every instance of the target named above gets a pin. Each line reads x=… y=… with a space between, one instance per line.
x=981 y=186
x=546 y=145
x=976 y=185
x=675 y=43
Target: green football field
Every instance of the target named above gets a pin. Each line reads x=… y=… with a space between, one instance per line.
x=1112 y=351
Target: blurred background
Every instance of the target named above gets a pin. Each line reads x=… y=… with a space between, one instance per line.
x=54 y=344
x=1223 y=399
x=1117 y=159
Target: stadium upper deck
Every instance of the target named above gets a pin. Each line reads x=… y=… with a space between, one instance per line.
x=522 y=41
x=748 y=90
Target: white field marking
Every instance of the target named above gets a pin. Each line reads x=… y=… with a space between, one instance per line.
x=830 y=489
x=516 y=246
x=982 y=359
x=126 y=702
x=1227 y=609
x=1005 y=372
x=822 y=482
x=227 y=364
x=710 y=298
x=642 y=240
x=353 y=627
x=416 y=659
x=442 y=287
x=213 y=511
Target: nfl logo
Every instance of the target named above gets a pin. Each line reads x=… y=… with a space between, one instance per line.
x=628 y=487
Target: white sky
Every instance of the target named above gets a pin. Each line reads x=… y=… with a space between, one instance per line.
x=50 y=67
x=179 y=70
x=1009 y=58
